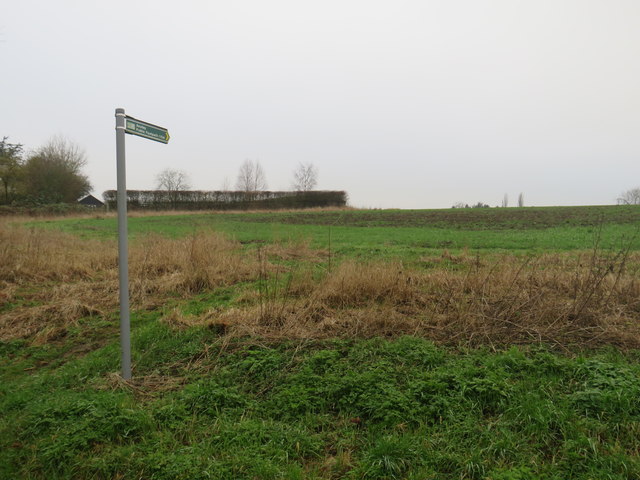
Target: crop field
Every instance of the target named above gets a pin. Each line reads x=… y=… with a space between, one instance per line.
x=400 y=234
x=499 y=344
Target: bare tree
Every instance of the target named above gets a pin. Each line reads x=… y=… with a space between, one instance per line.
x=225 y=186
x=64 y=151
x=505 y=201
x=305 y=177
x=630 y=197
x=172 y=180
x=251 y=177
x=521 y=200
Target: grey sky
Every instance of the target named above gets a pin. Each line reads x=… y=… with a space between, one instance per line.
x=409 y=104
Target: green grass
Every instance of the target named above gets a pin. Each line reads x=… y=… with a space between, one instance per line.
x=373 y=409
x=406 y=234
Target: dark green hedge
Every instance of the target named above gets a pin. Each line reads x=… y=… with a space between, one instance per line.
x=53 y=209
x=219 y=200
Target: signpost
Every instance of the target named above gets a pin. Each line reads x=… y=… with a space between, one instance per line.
x=146 y=130
x=130 y=125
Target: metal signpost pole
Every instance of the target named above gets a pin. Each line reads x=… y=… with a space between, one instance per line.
x=132 y=126
x=123 y=248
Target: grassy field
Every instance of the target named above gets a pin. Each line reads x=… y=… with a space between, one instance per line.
x=455 y=344
x=402 y=234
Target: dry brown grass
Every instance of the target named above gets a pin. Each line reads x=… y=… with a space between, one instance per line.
x=53 y=280
x=36 y=255
x=188 y=265
x=45 y=322
x=556 y=299
x=58 y=278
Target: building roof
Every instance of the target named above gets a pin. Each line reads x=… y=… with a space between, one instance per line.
x=90 y=201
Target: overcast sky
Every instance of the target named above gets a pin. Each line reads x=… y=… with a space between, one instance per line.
x=408 y=104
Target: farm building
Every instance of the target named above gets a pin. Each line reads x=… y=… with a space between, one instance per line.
x=90 y=201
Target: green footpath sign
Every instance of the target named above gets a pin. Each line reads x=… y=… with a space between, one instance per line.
x=146 y=130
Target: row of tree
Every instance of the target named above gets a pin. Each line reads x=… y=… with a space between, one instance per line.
x=173 y=190
x=505 y=203
x=251 y=178
x=630 y=197
x=226 y=200
x=51 y=174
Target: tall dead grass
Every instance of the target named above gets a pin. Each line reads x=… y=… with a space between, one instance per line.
x=55 y=279
x=35 y=255
x=585 y=302
x=50 y=280
x=188 y=265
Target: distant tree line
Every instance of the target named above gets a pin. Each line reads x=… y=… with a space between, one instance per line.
x=466 y=205
x=504 y=203
x=51 y=174
x=226 y=200
x=173 y=191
